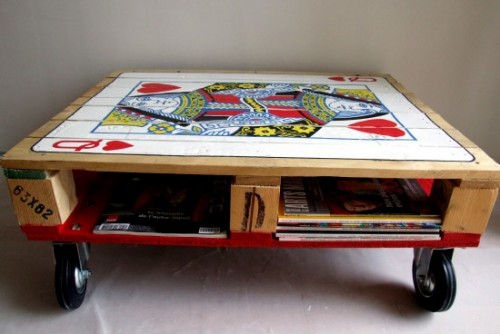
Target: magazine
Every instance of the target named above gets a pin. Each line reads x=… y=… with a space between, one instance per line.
x=303 y=196
x=356 y=237
x=361 y=227
x=326 y=209
x=167 y=205
x=359 y=199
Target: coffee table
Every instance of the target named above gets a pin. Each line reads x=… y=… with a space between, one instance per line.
x=255 y=128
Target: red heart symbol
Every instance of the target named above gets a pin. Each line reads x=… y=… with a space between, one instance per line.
x=114 y=145
x=156 y=87
x=337 y=78
x=381 y=127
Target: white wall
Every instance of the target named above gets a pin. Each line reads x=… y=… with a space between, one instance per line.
x=445 y=51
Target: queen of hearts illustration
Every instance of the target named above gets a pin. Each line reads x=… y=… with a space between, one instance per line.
x=232 y=105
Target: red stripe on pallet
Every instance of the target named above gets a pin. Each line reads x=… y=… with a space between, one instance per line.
x=65 y=234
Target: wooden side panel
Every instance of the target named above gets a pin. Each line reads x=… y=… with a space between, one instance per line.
x=47 y=201
x=469 y=210
x=254 y=208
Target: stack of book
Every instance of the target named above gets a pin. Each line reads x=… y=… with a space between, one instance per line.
x=168 y=205
x=323 y=209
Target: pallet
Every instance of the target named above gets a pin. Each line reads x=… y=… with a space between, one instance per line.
x=49 y=188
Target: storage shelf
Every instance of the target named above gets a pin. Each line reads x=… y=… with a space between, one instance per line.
x=79 y=228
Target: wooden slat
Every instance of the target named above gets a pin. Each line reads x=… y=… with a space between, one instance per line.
x=80 y=101
x=22 y=157
x=469 y=210
x=66 y=113
x=257 y=180
x=480 y=184
x=45 y=129
x=437 y=119
x=116 y=73
x=97 y=88
x=105 y=82
x=76 y=104
x=461 y=138
x=119 y=72
x=92 y=91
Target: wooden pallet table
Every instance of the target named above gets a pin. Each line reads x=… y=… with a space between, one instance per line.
x=255 y=128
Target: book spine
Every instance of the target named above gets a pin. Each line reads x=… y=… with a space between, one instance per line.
x=295 y=196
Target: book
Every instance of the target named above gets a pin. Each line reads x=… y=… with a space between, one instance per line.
x=168 y=205
x=303 y=196
x=357 y=237
x=363 y=200
x=361 y=227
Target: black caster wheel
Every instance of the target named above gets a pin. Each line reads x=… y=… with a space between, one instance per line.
x=436 y=291
x=71 y=276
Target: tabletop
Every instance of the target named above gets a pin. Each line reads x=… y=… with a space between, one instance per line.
x=252 y=123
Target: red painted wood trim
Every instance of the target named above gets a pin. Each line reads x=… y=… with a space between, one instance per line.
x=65 y=234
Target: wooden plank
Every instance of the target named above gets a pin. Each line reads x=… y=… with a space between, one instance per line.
x=469 y=210
x=105 y=82
x=67 y=112
x=461 y=138
x=257 y=180
x=434 y=116
x=92 y=91
x=480 y=184
x=80 y=101
x=98 y=87
x=115 y=73
x=22 y=157
x=43 y=202
x=45 y=129
x=76 y=104
x=119 y=72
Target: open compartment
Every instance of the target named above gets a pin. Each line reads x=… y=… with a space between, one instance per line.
x=165 y=205
x=251 y=215
x=347 y=208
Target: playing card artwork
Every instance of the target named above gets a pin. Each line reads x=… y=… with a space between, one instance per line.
x=252 y=115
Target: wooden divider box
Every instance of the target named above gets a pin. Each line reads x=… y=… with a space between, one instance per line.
x=254 y=204
x=465 y=206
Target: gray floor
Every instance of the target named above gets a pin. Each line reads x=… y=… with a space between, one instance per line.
x=146 y=289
